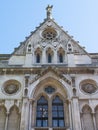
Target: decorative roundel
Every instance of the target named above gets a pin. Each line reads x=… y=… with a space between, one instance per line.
x=88 y=87
x=49 y=33
x=11 y=87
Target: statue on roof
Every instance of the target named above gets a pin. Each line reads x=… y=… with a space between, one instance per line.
x=49 y=11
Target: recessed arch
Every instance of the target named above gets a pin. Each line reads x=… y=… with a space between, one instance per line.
x=3 y=112
x=96 y=116
x=86 y=118
x=14 y=118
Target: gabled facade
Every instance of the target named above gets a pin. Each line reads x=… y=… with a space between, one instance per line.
x=49 y=82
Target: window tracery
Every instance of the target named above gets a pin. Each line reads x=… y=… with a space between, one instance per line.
x=42 y=116
x=49 y=33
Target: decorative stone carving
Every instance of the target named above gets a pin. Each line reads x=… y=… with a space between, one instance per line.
x=89 y=88
x=49 y=33
x=11 y=87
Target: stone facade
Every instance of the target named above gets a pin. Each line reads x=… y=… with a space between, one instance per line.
x=49 y=83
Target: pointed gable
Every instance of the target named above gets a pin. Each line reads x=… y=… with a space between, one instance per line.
x=49 y=35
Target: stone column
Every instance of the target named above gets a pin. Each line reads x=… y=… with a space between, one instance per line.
x=30 y=114
x=55 y=57
x=93 y=114
x=49 y=115
x=76 y=114
x=6 y=122
x=81 y=119
x=70 y=115
x=43 y=57
x=25 y=114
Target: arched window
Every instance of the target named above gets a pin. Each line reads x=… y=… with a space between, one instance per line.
x=42 y=112
x=38 y=55
x=61 y=58
x=2 y=118
x=38 y=58
x=49 y=58
x=57 y=112
x=61 y=54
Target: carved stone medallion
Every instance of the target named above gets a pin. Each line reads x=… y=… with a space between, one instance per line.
x=11 y=87
x=88 y=88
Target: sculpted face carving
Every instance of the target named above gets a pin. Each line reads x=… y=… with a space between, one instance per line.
x=11 y=87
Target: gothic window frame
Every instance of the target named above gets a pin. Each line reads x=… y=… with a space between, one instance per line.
x=38 y=55
x=58 y=112
x=61 y=55
x=42 y=113
x=61 y=58
x=49 y=54
x=38 y=58
x=49 y=58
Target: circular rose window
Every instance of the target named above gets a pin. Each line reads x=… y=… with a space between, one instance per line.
x=88 y=87
x=49 y=34
x=11 y=87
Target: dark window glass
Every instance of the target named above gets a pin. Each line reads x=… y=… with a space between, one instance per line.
x=38 y=58
x=60 y=58
x=49 y=58
x=49 y=90
x=42 y=112
x=57 y=112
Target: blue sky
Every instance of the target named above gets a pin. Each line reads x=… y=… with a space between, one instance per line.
x=19 y=17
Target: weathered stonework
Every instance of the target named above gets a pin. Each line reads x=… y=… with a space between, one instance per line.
x=52 y=66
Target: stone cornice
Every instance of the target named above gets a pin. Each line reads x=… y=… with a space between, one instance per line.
x=63 y=70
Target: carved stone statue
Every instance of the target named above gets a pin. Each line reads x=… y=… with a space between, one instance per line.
x=49 y=11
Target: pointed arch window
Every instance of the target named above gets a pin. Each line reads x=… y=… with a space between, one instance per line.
x=61 y=58
x=49 y=58
x=38 y=58
x=57 y=112
x=42 y=112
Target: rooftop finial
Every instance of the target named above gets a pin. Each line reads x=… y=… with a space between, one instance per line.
x=49 y=11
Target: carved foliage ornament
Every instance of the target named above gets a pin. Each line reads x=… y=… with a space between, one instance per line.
x=11 y=87
x=89 y=87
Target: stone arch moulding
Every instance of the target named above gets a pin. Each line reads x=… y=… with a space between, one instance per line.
x=53 y=81
x=86 y=106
